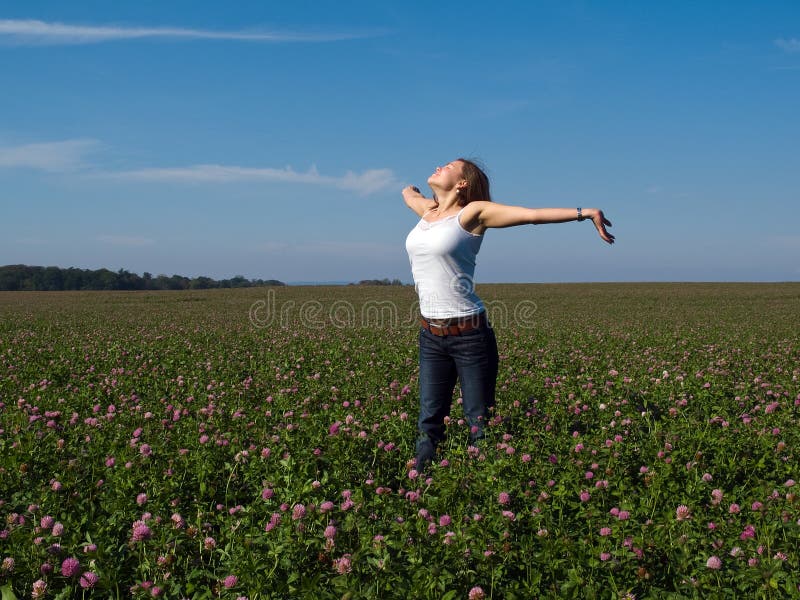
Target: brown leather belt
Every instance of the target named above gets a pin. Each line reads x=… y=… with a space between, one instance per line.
x=443 y=327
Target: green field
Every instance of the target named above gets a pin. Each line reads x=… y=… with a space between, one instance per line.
x=257 y=443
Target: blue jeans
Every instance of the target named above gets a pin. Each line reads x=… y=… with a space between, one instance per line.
x=472 y=359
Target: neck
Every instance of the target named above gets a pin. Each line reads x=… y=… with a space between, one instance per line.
x=447 y=202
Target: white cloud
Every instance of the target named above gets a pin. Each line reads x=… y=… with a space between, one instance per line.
x=67 y=155
x=70 y=155
x=364 y=183
x=40 y=32
x=791 y=46
x=125 y=240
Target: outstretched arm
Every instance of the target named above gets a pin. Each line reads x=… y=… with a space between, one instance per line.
x=416 y=201
x=493 y=215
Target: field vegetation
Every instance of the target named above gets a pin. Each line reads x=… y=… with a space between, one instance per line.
x=258 y=443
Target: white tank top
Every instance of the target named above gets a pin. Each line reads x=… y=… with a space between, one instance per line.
x=442 y=256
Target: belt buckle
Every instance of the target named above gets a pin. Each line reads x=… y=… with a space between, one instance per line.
x=441 y=330
x=434 y=328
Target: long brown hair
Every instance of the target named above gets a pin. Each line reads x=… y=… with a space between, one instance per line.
x=477 y=187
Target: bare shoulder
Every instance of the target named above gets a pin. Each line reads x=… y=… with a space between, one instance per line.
x=421 y=206
x=417 y=202
x=472 y=216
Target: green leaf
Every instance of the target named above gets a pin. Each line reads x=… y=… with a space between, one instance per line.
x=7 y=593
x=65 y=594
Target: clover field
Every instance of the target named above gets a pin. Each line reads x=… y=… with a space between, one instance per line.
x=258 y=443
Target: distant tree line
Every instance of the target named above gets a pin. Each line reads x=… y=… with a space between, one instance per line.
x=379 y=282
x=26 y=278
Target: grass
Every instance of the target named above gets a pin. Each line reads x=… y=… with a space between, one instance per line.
x=207 y=418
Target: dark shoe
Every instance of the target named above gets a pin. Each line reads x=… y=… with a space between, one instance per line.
x=426 y=452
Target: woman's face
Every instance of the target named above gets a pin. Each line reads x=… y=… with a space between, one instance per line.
x=447 y=177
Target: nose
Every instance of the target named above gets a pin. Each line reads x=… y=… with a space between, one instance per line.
x=438 y=169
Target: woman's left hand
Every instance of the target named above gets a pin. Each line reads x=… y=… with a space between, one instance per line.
x=600 y=223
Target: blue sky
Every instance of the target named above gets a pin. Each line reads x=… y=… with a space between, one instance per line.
x=272 y=139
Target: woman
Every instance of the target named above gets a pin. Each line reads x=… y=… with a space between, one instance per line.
x=456 y=341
